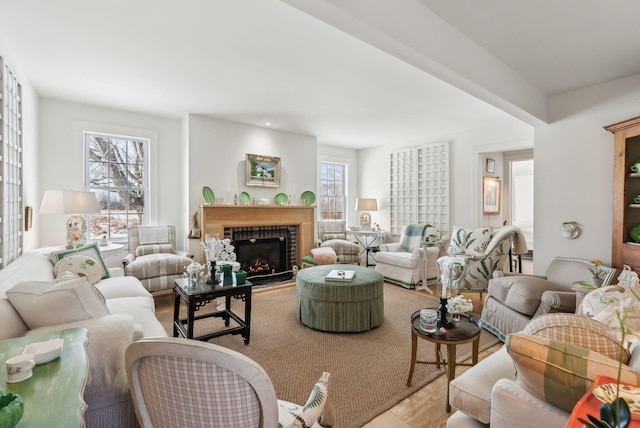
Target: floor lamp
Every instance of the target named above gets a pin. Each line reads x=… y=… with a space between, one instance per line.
x=76 y=203
x=364 y=205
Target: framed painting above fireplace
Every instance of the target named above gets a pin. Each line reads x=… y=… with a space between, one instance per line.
x=262 y=170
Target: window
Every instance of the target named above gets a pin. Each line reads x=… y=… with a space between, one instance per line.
x=333 y=198
x=116 y=168
x=11 y=207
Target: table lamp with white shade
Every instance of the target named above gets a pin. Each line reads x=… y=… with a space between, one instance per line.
x=76 y=203
x=365 y=205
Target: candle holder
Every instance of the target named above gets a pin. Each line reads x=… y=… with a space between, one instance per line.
x=443 y=320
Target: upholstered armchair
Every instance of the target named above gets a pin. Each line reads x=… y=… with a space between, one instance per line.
x=514 y=299
x=186 y=383
x=407 y=263
x=153 y=257
x=474 y=254
x=333 y=234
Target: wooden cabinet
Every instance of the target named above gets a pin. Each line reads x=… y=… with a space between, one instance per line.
x=626 y=186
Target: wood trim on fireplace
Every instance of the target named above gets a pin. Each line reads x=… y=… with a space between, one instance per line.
x=214 y=219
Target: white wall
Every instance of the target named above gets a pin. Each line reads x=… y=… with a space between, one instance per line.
x=574 y=170
x=465 y=176
x=217 y=154
x=62 y=165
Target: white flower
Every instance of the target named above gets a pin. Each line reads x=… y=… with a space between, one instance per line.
x=218 y=249
x=459 y=304
x=194 y=268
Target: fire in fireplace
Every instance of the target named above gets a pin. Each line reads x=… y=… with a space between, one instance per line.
x=263 y=253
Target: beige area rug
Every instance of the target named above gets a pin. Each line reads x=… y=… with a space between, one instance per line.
x=368 y=370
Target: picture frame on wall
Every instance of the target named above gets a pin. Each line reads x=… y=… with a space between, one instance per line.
x=262 y=170
x=491 y=166
x=490 y=195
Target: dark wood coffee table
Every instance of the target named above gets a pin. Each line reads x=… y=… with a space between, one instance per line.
x=466 y=330
x=195 y=297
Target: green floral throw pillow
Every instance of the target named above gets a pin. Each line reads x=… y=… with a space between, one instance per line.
x=472 y=242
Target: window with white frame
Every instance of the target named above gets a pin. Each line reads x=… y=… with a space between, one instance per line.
x=116 y=169
x=11 y=207
x=333 y=195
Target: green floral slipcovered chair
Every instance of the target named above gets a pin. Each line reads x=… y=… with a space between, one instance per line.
x=479 y=252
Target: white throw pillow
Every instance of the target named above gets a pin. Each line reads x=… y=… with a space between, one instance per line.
x=90 y=250
x=42 y=303
x=80 y=265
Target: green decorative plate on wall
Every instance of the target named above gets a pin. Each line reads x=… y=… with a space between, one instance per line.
x=281 y=199
x=308 y=197
x=635 y=233
x=244 y=198
x=207 y=195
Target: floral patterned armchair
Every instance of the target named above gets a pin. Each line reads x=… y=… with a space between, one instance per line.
x=476 y=254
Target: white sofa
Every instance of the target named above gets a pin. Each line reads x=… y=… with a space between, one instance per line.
x=132 y=316
x=489 y=393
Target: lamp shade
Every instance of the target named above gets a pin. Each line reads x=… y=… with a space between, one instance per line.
x=69 y=202
x=366 y=204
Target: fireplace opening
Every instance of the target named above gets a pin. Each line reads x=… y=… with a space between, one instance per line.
x=261 y=256
x=265 y=254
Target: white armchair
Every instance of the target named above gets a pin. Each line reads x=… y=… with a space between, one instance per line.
x=407 y=263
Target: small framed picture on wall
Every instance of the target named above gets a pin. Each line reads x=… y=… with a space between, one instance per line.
x=491 y=166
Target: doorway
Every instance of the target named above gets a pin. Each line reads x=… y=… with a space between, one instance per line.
x=521 y=200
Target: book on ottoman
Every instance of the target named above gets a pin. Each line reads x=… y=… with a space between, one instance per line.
x=340 y=275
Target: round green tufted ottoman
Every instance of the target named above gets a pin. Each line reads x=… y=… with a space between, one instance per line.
x=340 y=306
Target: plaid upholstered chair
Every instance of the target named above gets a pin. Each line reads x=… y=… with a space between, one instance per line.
x=406 y=263
x=153 y=257
x=179 y=383
x=333 y=234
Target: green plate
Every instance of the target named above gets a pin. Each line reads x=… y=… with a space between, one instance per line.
x=635 y=233
x=245 y=198
x=308 y=197
x=281 y=199
x=207 y=195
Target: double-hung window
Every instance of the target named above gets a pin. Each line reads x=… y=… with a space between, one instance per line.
x=116 y=169
x=333 y=196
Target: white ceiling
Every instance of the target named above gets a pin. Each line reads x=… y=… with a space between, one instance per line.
x=259 y=61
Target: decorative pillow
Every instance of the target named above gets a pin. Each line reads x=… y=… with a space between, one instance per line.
x=80 y=265
x=558 y=372
x=42 y=303
x=472 y=242
x=90 y=250
x=143 y=250
x=412 y=236
x=579 y=331
x=602 y=303
x=290 y=414
x=328 y=236
x=324 y=255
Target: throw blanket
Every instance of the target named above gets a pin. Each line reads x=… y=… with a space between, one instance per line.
x=109 y=337
x=324 y=255
x=153 y=235
x=412 y=236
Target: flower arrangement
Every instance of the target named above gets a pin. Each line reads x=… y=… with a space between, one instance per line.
x=218 y=249
x=194 y=268
x=595 y=270
x=459 y=305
